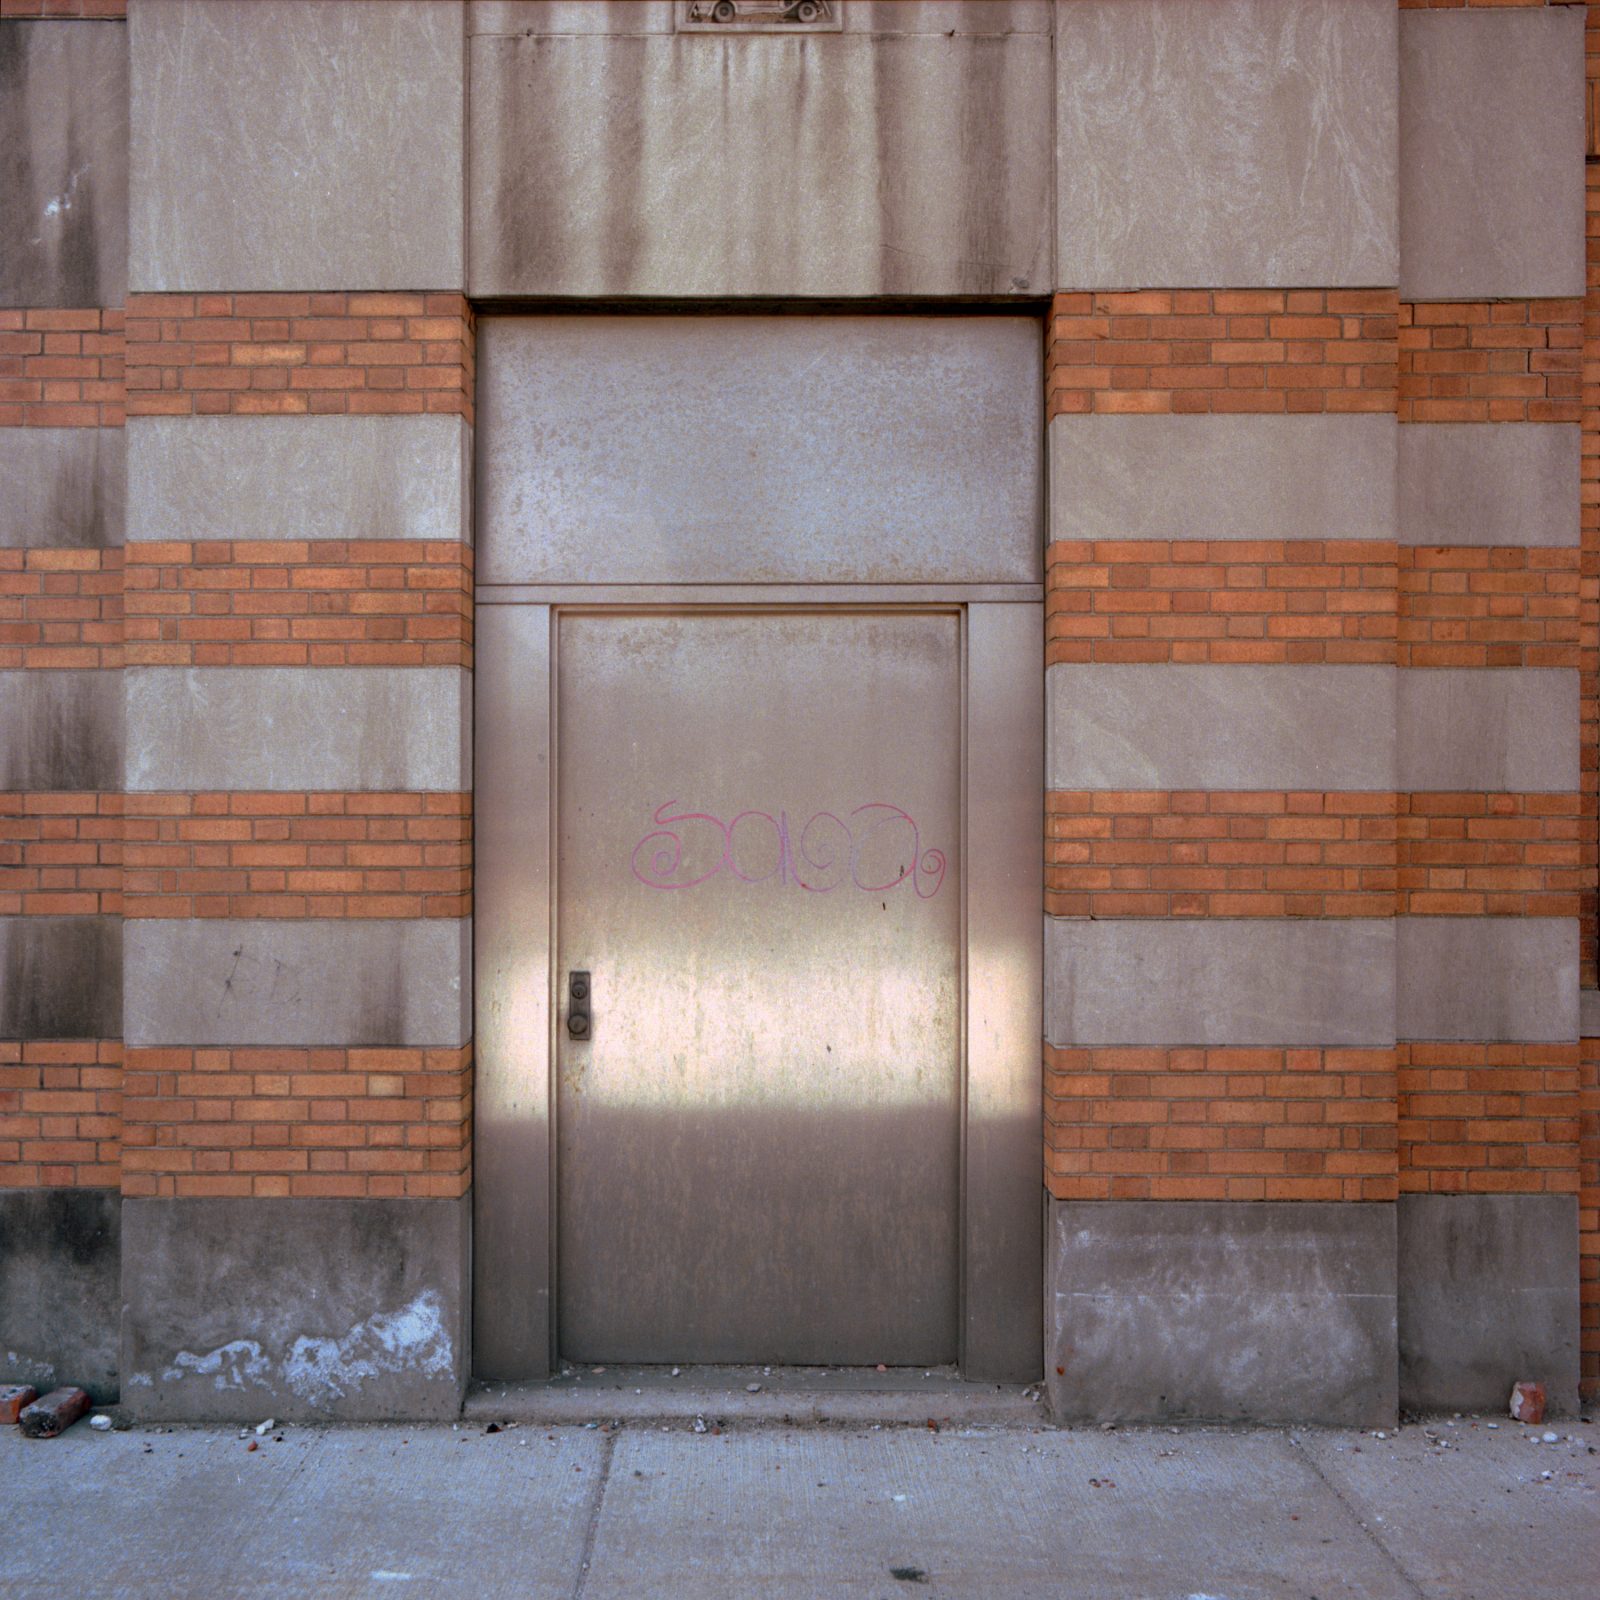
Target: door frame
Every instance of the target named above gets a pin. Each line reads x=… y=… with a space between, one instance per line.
x=1000 y=1253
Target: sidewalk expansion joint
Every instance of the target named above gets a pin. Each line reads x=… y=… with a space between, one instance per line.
x=591 y=1530
x=1389 y=1557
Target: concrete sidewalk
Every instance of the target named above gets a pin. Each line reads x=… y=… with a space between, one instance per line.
x=1463 y=1511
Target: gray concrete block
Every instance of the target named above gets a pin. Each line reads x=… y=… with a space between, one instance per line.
x=63 y=163
x=59 y=1301
x=299 y=728
x=1265 y=982
x=759 y=449
x=1242 y=142
x=570 y=16
x=332 y=477
x=1511 y=728
x=61 y=728
x=325 y=1310
x=284 y=145
x=1491 y=153
x=1589 y=1013
x=1223 y=477
x=61 y=487
x=653 y=165
x=859 y=16
x=220 y=982
x=60 y=977
x=1161 y=1311
x=1486 y=977
x=1488 y=1298
x=1164 y=726
x=1467 y=483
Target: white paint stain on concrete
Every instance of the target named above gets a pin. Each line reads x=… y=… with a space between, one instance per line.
x=412 y=1339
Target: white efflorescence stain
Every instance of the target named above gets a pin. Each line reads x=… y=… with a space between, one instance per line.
x=412 y=1338
x=229 y=1366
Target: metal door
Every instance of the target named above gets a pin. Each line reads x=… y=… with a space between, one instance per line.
x=758 y=1134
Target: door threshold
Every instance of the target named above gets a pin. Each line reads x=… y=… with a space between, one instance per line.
x=774 y=1396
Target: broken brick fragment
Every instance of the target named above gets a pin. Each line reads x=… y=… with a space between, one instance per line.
x=53 y=1414
x=13 y=1397
x=1527 y=1402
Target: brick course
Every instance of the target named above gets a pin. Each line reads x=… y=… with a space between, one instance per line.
x=1491 y=606
x=1488 y=1118
x=1228 y=601
x=348 y=1123
x=60 y=854
x=1494 y=855
x=1491 y=361
x=61 y=368
x=1589 y=1211
x=1589 y=602
x=1223 y=350
x=285 y=354
x=1273 y=853
x=400 y=602
x=1219 y=1124
x=60 y=1113
x=88 y=10
x=1198 y=853
x=295 y=855
x=60 y=608
x=1483 y=5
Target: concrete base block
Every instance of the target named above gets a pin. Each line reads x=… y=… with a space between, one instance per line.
x=1488 y=1297
x=336 y=1310
x=1159 y=1311
x=58 y=1289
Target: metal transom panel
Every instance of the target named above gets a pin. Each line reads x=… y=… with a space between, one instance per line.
x=759 y=869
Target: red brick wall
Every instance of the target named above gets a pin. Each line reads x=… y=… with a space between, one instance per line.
x=1488 y=606
x=1344 y=853
x=60 y=854
x=1220 y=1124
x=1258 y=601
x=298 y=855
x=89 y=10
x=60 y=608
x=1488 y=1118
x=61 y=368
x=1216 y=853
x=1589 y=1212
x=401 y=602
x=272 y=1122
x=1491 y=361
x=60 y=1113
x=1186 y=350
x=291 y=354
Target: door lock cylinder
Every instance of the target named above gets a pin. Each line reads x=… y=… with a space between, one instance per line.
x=577 y=1005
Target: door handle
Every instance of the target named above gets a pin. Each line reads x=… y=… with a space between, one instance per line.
x=578 y=1005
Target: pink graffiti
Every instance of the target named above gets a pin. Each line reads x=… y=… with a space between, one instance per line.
x=825 y=854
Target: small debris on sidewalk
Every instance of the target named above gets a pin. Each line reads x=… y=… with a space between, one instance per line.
x=53 y=1414
x=13 y=1397
x=101 y=1423
x=1527 y=1402
x=264 y=1428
